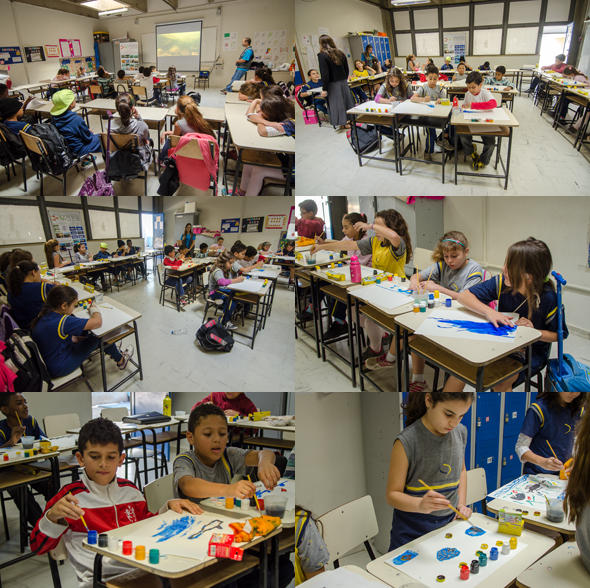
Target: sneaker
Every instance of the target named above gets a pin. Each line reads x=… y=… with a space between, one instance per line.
x=223 y=91
x=477 y=165
x=447 y=145
x=183 y=302
x=378 y=363
x=427 y=156
x=419 y=387
x=439 y=141
x=88 y=161
x=386 y=340
x=368 y=353
x=336 y=330
x=230 y=326
x=304 y=317
x=127 y=355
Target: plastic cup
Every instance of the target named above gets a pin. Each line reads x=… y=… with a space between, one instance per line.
x=555 y=511
x=311 y=260
x=275 y=506
x=98 y=297
x=28 y=442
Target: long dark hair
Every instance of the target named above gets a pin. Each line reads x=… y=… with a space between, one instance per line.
x=356 y=217
x=265 y=74
x=574 y=407
x=396 y=72
x=18 y=274
x=58 y=295
x=277 y=108
x=394 y=220
x=124 y=105
x=5 y=260
x=328 y=46
x=50 y=252
x=577 y=495
x=19 y=255
x=415 y=405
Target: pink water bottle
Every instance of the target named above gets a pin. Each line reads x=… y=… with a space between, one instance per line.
x=355 y=270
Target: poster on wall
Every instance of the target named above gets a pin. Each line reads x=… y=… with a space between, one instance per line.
x=52 y=50
x=276 y=221
x=67 y=227
x=9 y=55
x=230 y=41
x=129 y=57
x=454 y=47
x=33 y=54
x=70 y=47
x=271 y=47
x=230 y=225
x=253 y=224
x=73 y=65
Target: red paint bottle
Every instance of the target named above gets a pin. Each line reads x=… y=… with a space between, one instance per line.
x=464 y=573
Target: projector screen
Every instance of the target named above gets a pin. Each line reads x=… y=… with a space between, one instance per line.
x=178 y=44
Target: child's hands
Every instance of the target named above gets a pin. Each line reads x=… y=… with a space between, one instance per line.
x=466 y=104
x=432 y=501
x=551 y=464
x=431 y=286
x=465 y=511
x=360 y=226
x=497 y=318
x=164 y=135
x=231 y=413
x=524 y=322
x=323 y=94
x=315 y=248
x=269 y=475
x=178 y=504
x=17 y=433
x=241 y=489
x=240 y=279
x=67 y=507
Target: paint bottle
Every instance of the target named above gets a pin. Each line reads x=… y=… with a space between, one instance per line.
x=154 y=556
x=238 y=502
x=355 y=270
x=436 y=302
x=245 y=504
x=167 y=408
x=436 y=294
x=483 y=560
x=103 y=540
x=395 y=277
x=92 y=537
x=422 y=305
x=430 y=301
x=494 y=554
x=229 y=503
x=6 y=458
x=464 y=573
x=505 y=548
x=390 y=277
x=448 y=302
x=113 y=544
x=140 y=552
x=403 y=280
x=416 y=307
x=475 y=567
x=513 y=543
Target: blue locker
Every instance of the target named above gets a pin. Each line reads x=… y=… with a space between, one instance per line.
x=381 y=56
x=387 y=50
x=511 y=465
x=514 y=411
x=366 y=41
x=488 y=417
x=486 y=457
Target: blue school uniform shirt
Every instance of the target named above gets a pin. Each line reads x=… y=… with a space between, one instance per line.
x=17 y=125
x=544 y=317
x=447 y=66
x=81 y=140
x=32 y=429
x=133 y=250
x=53 y=336
x=29 y=303
x=556 y=425
x=101 y=255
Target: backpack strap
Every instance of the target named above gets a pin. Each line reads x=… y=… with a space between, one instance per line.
x=539 y=411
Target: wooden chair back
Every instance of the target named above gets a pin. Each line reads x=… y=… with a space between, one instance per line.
x=33 y=144
x=119 y=141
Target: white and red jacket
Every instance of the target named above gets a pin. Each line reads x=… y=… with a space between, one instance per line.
x=118 y=504
x=173 y=263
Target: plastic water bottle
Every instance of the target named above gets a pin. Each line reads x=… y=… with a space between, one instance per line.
x=456 y=110
x=180 y=332
x=355 y=270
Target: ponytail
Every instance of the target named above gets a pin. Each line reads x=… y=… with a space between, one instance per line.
x=192 y=115
x=49 y=252
x=57 y=297
x=124 y=103
x=415 y=405
x=16 y=278
x=265 y=74
x=357 y=217
x=19 y=255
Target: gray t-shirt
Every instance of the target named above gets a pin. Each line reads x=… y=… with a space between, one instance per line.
x=79 y=258
x=232 y=464
x=311 y=547
x=456 y=280
x=460 y=77
x=436 y=460
x=214 y=277
x=395 y=92
x=583 y=536
x=434 y=93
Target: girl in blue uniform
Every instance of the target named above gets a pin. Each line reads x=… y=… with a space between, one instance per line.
x=431 y=448
x=64 y=340
x=523 y=287
x=26 y=292
x=552 y=417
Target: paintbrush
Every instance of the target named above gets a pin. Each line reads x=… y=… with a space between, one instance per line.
x=427 y=282
x=81 y=517
x=450 y=505
x=557 y=458
x=256 y=498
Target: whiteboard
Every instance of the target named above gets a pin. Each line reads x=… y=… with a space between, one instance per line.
x=208 y=46
x=20 y=225
x=487 y=42
x=521 y=41
x=427 y=44
x=129 y=225
x=103 y=224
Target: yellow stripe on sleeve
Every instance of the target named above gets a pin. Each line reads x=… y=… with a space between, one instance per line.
x=552 y=313
x=60 y=326
x=475 y=274
x=536 y=407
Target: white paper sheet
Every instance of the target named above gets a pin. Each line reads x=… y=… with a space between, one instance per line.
x=421 y=108
x=386 y=295
x=425 y=567
x=289 y=492
x=248 y=286
x=345 y=269
x=341 y=578
x=529 y=492
x=466 y=325
x=112 y=318
x=496 y=114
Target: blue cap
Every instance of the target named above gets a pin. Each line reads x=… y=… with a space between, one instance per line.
x=449 y=302
x=92 y=537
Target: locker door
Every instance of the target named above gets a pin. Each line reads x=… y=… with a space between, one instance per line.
x=366 y=41
x=514 y=411
x=387 y=51
x=488 y=416
x=486 y=457
x=381 y=54
x=511 y=466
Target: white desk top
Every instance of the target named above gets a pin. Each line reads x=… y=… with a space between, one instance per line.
x=264 y=425
x=421 y=109
x=11 y=452
x=131 y=427
x=537 y=546
x=352 y=575
x=105 y=311
x=45 y=107
x=391 y=312
x=568 y=82
x=272 y=274
x=562 y=568
x=322 y=259
x=323 y=274
x=458 y=119
x=147 y=113
x=255 y=287
x=82 y=294
x=232 y=98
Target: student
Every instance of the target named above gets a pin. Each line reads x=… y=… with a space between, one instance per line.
x=250 y=257
x=460 y=74
x=98 y=492
x=334 y=74
x=11 y=113
x=309 y=225
x=62 y=76
x=203 y=251
x=3 y=91
x=105 y=81
x=182 y=253
x=552 y=417
x=104 y=254
x=249 y=91
x=370 y=60
x=26 y=293
x=311 y=551
x=238 y=250
x=391 y=249
x=81 y=255
x=52 y=255
x=430 y=448
x=263 y=77
x=467 y=66
x=557 y=67
x=426 y=93
x=146 y=80
x=264 y=247
x=394 y=90
x=19 y=423
x=289 y=251
x=133 y=250
x=485 y=66
x=570 y=73
x=121 y=75
x=452 y=273
x=523 y=287
x=499 y=78
x=63 y=339
x=81 y=140
x=411 y=62
x=388 y=64
x=232 y=403
x=171 y=262
x=447 y=64
x=308 y=98
x=577 y=494
x=171 y=76
x=4 y=265
x=131 y=123
x=360 y=72
x=207 y=470
x=428 y=64
x=219 y=278
x=219 y=246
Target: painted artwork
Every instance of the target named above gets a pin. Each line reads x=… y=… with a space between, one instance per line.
x=385 y=295
x=474 y=532
x=447 y=553
x=285 y=488
x=530 y=491
x=404 y=557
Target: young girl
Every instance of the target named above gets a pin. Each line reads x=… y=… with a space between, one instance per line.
x=311 y=551
x=428 y=63
x=62 y=76
x=131 y=123
x=467 y=66
x=369 y=59
x=552 y=417
x=249 y=91
x=360 y=72
x=174 y=262
x=395 y=89
x=391 y=249
x=263 y=77
x=264 y=248
x=54 y=259
x=26 y=293
x=571 y=73
x=289 y=251
x=577 y=495
x=431 y=448
x=64 y=340
x=452 y=273
x=146 y=80
x=219 y=246
x=523 y=287
x=219 y=278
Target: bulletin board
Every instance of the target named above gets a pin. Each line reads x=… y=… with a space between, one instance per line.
x=9 y=55
x=33 y=54
x=276 y=221
x=52 y=50
x=70 y=47
x=72 y=65
x=271 y=46
x=230 y=225
x=253 y=224
x=67 y=227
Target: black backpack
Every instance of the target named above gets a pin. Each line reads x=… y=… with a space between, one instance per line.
x=196 y=97
x=23 y=358
x=125 y=163
x=286 y=90
x=169 y=178
x=367 y=138
x=59 y=158
x=212 y=336
x=11 y=147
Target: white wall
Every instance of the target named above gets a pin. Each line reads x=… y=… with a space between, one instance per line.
x=492 y=224
x=42 y=404
x=213 y=210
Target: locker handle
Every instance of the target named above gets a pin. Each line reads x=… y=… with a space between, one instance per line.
x=507 y=418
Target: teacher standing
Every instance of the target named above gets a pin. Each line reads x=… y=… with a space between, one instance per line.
x=188 y=239
x=334 y=74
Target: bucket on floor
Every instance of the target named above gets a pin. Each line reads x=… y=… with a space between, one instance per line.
x=310 y=117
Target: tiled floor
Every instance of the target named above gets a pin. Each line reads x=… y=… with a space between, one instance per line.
x=326 y=164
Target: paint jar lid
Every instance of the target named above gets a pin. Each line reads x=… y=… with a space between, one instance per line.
x=103 y=540
x=92 y=537
x=422 y=302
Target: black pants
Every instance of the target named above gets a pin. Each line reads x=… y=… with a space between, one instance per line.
x=34 y=511
x=286 y=574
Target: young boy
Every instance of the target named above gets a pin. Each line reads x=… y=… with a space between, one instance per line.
x=132 y=250
x=171 y=261
x=105 y=501
x=3 y=91
x=182 y=251
x=209 y=470
x=203 y=249
x=250 y=257
x=104 y=254
x=460 y=74
x=239 y=252
x=232 y=403
x=309 y=225
x=478 y=99
x=11 y=113
x=306 y=97
x=447 y=64
x=426 y=93
x=557 y=67
x=81 y=140
x=499 y=79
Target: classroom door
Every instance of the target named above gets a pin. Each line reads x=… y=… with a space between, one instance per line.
x=159 y=231
x=568 y=39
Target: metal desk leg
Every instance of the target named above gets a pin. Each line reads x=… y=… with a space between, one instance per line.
x=102 y=365
x=274 y=561
x=23 y=517
x=138 y=350
x=358 y=342
x=356 y=136
x=315 y=309
x=479 y=379
x=291 y=164
x=351 y=339
x=407 y=362
x=263 y=565
x=529 y=369
x=400 y=355
x=508 y=157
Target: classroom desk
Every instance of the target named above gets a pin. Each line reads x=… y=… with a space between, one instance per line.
x=178 y=567
x=186 y=269
x=537 y=546
x=85 y=270
x=506 y=128
x=267 y=273
x=247 y=424
x=233 y=98
x=328 y=259
x=245 y=137
x=43 y=110
x=116 y=332
x=558 y=84
x=578 y=96
x=467 y=359
x=460 y=89
x=371 y=81
x=562 y=568
x=583 y=130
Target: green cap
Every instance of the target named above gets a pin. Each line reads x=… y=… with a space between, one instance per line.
x=61 y=101
x=104 y=246
x=447 y=58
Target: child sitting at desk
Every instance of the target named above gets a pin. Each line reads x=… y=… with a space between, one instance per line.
x=172 y=262
x=12 y=112
x=309 y=99
x=361 y=72
x=485 y=66
x=499 y=79
x=570 y=73
x=557 y=67
x=105 y=501
x=105 y=81
x=460 y=74
x=447 y=64
x=62 y=76
x=104 y=254
x=309 y=225
x=467 y=66
x=478 y=99
x=52 y=255
x=232 y=403
x=263 y=77
x=249 y=91
x=394 y=89
x=250 y=257
x=203 y=249
x=238 y=250
x=219 y=278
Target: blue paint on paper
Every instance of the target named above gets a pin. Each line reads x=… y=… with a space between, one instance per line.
x=474 y=532
x=260 y=493
x=447 y=553
x=475 y=327
x=216 y=524
x=404 y=557
x=176 y=528
x=396 y=289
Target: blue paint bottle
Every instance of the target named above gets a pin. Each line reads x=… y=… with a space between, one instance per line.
x=92 y=537
x=448 y=302
x=494 y=554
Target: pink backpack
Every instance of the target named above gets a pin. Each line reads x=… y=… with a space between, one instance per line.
x=191 y=170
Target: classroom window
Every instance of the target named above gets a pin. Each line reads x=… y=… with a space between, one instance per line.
x=487 y=42
x=524 y=12
x=552 y=44
x=402 y=20
x=427 y=44
x=455 y=16
x=404 y=44
x=426 y=19
x=522 y=40
x=147 y=222
x=557 y=11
